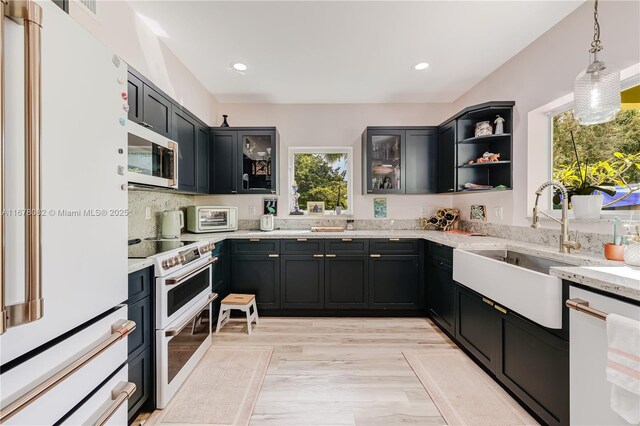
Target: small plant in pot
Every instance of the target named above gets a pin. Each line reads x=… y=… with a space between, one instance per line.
x=587 y=183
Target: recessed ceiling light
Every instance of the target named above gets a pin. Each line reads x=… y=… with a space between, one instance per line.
x=239 y=66
x=421 y=66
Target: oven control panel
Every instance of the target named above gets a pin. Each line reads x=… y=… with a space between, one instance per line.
x=174 y=260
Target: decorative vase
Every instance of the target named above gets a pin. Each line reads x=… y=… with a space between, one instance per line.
x=587 y=206
x=224 y=121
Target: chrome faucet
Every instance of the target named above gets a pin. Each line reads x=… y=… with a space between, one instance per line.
x=565 y=243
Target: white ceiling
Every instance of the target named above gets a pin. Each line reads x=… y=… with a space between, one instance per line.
x=350 y=51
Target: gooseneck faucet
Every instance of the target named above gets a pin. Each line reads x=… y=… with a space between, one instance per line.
x=565 y=243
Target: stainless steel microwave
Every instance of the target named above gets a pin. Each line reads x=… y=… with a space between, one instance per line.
x=202 y=219
x=152 y=158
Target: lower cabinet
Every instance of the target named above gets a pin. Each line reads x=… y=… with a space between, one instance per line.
x=477 y=326
x=394 y=282
x=259 y=275
x=141 y=342
x=141 y=373
x=534 y=364
x=346 y=282
x=441 y=294
x=302 y=282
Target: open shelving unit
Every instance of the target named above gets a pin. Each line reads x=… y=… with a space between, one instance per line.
x=470 y=147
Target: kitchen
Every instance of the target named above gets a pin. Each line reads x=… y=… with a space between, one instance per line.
x=328 y=217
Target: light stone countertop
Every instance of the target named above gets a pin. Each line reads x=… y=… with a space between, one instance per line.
x=590 y=270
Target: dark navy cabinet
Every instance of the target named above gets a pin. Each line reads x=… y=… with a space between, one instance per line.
x=257 y=274
x=244 y=160
x=441 y=294
x=302 y=281
x=445 y=181
x=141 y=341
x=151 y=108
x=346 y=283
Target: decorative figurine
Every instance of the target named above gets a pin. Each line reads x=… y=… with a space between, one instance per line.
x=224 y=121
x=487 y=157
x=499 y=125
x=294 y=199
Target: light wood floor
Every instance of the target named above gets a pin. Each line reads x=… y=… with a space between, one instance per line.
x=340 y=371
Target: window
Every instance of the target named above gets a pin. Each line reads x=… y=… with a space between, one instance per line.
x=609 y=153
x=320 y=180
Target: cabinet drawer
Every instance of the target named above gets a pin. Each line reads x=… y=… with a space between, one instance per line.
x=100 y=400
x=441 y=252
x=255 y=246
x=140 y=313
x=347 y=246
x=140 y=283
x=397 y=246
x=302 y=246
x=66 y=394
x=141 y=374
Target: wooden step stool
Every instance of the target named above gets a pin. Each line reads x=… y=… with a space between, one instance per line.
x=241 y=302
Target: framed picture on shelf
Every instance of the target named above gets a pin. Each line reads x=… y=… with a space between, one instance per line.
x=379 y=208
x=270 y=205
x=478 y=212
x=315 y=207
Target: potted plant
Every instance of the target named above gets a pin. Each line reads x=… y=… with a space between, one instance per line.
x=587 y=183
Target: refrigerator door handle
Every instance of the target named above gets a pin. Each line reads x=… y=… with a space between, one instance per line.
x=119 y=331
x=28 y=14
x=121 y=393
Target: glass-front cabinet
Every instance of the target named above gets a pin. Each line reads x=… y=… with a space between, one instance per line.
x=257 y=168
x=384 y=160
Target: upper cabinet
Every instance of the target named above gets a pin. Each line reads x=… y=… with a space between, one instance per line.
x=243 y=160
x=399 y=160
x=475 y=149
x=151 y=108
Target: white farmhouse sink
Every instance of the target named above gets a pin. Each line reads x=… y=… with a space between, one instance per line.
x=515 y=280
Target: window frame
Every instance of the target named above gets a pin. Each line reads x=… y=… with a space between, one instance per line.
x=632 y=78
x=292 y=151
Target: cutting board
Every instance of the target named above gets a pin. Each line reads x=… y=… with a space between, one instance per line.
x=327 y=229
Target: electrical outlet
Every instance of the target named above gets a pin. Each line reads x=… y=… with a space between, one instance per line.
x=252 y=210
x=423 y=212
x=497 y=213
x=147 y=213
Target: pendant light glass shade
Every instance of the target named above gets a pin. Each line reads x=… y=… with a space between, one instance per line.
x=596 y=94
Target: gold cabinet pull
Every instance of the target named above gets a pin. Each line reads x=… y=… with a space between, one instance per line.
x=301 y=239
x=254 y=240
x=347 y=240
x=500 y=308
x=394 y=239
x=318 y=255
x=487 y=301
x=120 y=330
x=121 y=393
x=274 y=255
x=330 y=255
x=28 y=14
x=374 y=255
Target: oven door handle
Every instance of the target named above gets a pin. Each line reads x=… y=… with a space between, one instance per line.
x=181 y=278
x=174 y=331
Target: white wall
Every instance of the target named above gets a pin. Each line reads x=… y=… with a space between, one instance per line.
x=333 y=125
x=539 y=74
x=129 y=37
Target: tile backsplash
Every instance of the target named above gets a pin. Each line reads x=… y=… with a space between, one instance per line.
x=158 y=202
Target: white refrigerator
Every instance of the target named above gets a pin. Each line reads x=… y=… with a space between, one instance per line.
x=63 y=345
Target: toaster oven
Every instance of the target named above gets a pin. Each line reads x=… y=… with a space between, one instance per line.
x=202 y=219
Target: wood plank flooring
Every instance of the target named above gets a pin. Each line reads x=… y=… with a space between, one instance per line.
x=340 y=371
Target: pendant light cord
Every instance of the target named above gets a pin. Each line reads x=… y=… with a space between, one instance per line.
x=596 y=46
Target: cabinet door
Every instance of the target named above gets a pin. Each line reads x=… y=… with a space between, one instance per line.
x=141 y=373
x=202 y=161
x=302 y=282
x=141 y=313
x=447 y=157
x=441 y=294
x=185 y=132
x=156 y=111
x=346 y=283
x=140 y=283
x=394 y=282
x=534 y=364
x=421 y=162
x=257 y=156
x=384 y=154
x=478 y=326
x=259 y=275
x=134 y=98
x=223 y=160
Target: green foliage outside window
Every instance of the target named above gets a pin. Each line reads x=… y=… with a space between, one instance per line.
x=321 y=177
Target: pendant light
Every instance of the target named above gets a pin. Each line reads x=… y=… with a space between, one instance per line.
x=596 y=89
